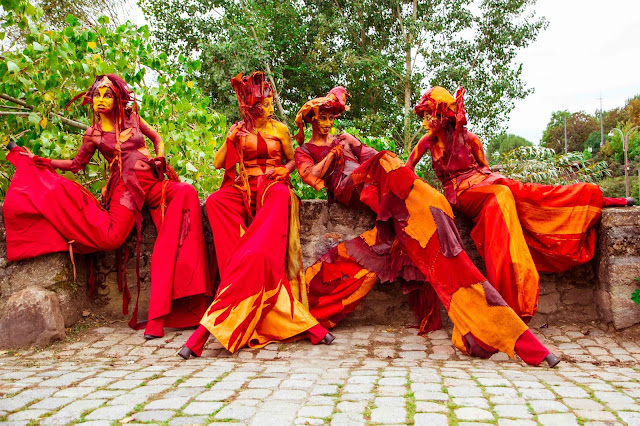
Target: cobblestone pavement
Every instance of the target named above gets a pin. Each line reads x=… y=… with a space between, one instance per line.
x=371 y=374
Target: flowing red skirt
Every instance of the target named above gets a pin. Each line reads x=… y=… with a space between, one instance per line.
x=45 y=213
x=254 y=304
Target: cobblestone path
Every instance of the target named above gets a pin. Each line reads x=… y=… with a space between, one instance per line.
x=370 y=375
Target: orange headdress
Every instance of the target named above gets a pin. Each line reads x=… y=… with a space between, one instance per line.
x=335 y=102
x=250 y=91
x=442 y=107
x=438 y=101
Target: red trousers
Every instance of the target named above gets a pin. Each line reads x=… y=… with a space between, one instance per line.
x=254 y=304
x=45 y=213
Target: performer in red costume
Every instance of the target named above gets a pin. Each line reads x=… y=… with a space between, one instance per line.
x=255 y=224
x=520 y=229
x=45 y=213
x=414 y=241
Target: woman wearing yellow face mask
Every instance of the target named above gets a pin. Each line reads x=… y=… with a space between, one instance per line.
x=254 y=220
x=44 y=212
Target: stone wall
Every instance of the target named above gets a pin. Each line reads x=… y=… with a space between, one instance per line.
x=618 y=264
x=598 y=290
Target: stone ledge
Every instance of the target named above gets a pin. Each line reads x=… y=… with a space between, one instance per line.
x=597 y=291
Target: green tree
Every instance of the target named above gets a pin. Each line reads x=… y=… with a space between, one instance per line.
x=382 y=52
x=579 y=126
x=504 y=143
x=48 y=67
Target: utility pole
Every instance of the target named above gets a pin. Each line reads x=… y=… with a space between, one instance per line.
x=601 y=125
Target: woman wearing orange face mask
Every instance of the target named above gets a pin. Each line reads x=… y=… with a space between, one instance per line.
x=254 y=220
x=45 y=213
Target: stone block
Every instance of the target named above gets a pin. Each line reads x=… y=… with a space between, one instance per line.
x=549 y=303
x=605 y=283
x=617 y=283
x=578 y=296
x=32 y=317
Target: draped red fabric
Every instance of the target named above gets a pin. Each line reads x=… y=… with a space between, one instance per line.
x=45 y=213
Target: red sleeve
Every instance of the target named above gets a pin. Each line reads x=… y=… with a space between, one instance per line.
x=89 y=145
x=362 y=151
x=304 y=163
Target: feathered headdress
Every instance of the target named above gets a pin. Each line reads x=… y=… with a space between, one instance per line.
x=250 y=90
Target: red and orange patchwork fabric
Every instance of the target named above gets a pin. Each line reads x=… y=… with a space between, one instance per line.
x=414 y=241
x=520 y=229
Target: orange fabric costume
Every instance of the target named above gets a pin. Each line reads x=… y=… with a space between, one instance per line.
x=414 y=241
x=520 y=229
x=253 y=216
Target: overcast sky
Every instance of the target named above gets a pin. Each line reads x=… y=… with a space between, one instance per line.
x=590 y=47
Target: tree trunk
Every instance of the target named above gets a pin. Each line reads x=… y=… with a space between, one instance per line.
x=409 y=38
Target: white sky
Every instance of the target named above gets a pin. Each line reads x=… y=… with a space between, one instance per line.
x=590 y=47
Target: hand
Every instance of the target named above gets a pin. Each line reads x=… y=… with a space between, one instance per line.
x=28 y=153
x=160 y=164
x=278 y=173
x=337 y=150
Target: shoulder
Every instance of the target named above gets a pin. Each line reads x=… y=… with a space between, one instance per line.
x=281 y=131
x=302 y=149
x=92 y=135
x=279 y=126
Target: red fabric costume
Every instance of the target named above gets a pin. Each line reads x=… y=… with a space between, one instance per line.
x=44 y=213
x=251 y=218
x=415 y=241
x=520 y=229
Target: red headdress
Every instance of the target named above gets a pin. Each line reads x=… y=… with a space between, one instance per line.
x=335 y=102
x=124 y=101
x=250 y=91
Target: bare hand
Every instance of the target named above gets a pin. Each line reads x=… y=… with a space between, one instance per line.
x=28 y=153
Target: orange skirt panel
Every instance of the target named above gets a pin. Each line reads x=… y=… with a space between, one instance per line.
x=521 y=229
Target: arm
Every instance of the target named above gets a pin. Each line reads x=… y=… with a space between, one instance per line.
x=79 y=162
x=287 y=152
x=312 y=173
x=418 y=152
x=477 y=149
x=362 y=151
x=221 y=156
x=155 y=138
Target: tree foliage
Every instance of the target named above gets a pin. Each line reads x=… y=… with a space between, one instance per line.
x=49 y=67
x=579 y=126
x=55 y=12
x=543 y=165
x=384 y=53
x=504 y=143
